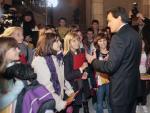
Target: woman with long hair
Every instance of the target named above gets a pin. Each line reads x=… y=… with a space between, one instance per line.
x=75 y=68
x=49 y=66
x=9 y=90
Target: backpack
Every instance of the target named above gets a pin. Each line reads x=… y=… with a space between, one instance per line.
x=34 y=98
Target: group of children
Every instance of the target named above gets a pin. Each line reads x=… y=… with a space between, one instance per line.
x=59 y=66
x=62 y=71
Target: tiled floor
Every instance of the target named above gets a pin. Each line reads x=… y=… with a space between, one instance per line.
x=105 y=111
x=148 y=106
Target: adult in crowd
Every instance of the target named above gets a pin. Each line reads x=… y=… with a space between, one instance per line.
x=123 y=62
x=29 y=25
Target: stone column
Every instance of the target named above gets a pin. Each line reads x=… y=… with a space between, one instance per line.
x=98 y=11
x=6 y=1
x=88 y=8
x=145 y=4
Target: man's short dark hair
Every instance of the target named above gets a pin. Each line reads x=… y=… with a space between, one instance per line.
x=119 y=11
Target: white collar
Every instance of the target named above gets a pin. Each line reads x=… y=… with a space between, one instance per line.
x=12 y=63
x=122 y=26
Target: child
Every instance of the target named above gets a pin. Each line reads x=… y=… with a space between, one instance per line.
x=26 y=53
x=62 y=28
x=42 y=102
x=143 y=69
x=75 y=68
x=49 y=66
x=9 y=90
x=102 y=78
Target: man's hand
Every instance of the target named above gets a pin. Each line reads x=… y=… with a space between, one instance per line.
x=89 y=57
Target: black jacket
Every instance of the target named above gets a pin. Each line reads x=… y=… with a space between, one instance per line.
x=122 y=66
x=146 y=34
x=72 y=75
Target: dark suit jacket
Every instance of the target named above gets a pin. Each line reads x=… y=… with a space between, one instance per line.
x=122 y=66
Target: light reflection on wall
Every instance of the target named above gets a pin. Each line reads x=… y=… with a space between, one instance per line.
x=52 y=3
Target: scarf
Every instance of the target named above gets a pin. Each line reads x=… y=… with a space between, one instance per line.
x=54 y=75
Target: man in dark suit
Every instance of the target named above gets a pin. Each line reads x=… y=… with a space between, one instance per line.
x=123 y=62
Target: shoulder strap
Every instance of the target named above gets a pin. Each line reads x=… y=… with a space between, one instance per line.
x=27 y=51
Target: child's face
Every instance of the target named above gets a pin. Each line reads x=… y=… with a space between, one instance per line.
x=57 y=45
x=95 y=25
x=80 y=35
x=75 y=44
x=102 y=43
x=18 y=35
x=62 y=22
x=27 y=18
x=90 y=36
x=12 y=54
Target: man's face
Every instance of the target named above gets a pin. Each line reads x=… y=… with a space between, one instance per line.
x=113 y=23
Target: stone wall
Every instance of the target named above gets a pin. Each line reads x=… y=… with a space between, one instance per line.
x=145 y=8
x=98 y=11
x=100 y=8
x=127 y=4
x=92 y=9
x=6 y=1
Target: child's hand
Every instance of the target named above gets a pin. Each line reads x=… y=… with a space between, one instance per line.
x=84 y=65
x=106 y=58
x=28 y=39
x=73 y=94
x=84 y=76
x=70 y=99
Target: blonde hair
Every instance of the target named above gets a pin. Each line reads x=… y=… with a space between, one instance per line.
x=9 y=31
x=67 y=41
x=5 y=44
x=42 y=31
